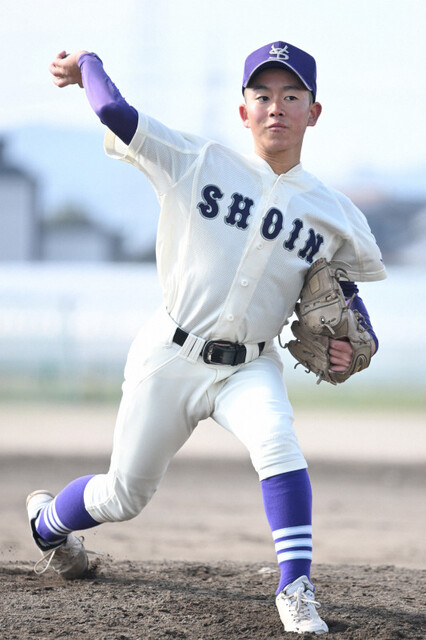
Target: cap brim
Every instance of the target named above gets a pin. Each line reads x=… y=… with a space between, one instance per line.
x=270 y=64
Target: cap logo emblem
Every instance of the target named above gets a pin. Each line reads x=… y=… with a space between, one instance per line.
x=280 y=53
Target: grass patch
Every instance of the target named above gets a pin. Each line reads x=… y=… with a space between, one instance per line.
x=67 y=390
x=95 y=387
x=357 y=398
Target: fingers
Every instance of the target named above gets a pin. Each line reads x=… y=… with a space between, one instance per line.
x=63 y=71
x=59 y=78
x=340 y=354
x=56 y=69
x=56 y=64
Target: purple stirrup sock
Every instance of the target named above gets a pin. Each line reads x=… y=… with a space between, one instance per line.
x=65 y=513
x=288 y=506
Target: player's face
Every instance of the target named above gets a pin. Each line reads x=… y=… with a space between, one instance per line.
x=278 y=109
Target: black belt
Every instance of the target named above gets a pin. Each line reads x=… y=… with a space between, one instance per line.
x=218 y=351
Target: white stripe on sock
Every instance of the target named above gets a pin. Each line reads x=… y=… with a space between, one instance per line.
x=62 y=528
x=294 y=542
x=292 y=531
x=52 y=521
x=294 y=555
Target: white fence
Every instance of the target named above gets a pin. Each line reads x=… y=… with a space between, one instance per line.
x=77 y=318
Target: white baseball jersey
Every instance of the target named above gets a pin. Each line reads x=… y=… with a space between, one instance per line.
x=235 y=239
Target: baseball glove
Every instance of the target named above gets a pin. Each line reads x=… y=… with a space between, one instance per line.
x=322 y=314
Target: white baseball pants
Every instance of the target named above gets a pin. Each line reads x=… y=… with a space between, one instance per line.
x=168 y=389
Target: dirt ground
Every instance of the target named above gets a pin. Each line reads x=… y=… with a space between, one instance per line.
x=199 y=563
x=138 y=601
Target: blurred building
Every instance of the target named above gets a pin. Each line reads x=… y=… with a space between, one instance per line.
x=74 y=237
x=19 y=230
x=399 y=226
x=70 y=236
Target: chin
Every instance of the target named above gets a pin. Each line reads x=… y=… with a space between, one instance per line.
x=275 y=149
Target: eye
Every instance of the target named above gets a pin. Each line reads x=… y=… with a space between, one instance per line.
x=290 y=98
x=262 y=98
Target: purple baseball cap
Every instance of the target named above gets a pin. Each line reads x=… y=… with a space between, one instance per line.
x=282 y=54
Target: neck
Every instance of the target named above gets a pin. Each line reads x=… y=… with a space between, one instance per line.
x=280 y=162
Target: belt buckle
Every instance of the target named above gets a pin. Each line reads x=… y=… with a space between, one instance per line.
x=223 y=348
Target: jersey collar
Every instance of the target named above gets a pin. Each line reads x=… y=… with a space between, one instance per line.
x=294 y=172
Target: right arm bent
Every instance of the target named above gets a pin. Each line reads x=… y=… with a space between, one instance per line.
x=86 y=70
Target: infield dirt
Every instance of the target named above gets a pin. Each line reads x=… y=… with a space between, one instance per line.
x=199 y=562
x=152 y=601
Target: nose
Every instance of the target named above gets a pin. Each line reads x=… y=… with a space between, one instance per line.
x=276 y=109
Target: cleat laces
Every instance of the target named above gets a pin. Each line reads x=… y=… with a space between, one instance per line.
x=64 y=557
x=301 y=604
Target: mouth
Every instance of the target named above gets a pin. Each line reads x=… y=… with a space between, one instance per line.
x=276 y=126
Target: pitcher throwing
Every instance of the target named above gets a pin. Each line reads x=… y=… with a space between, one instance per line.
x=237 y=235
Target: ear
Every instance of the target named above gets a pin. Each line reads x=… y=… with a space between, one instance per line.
x=314 y=114
x=244 y=116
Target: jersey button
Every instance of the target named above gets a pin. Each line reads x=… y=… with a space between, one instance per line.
x=244 y=283
x=230 y=317
x=259 y=245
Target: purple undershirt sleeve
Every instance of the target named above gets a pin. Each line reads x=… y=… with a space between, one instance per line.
x=350 y=289
x=106 y=100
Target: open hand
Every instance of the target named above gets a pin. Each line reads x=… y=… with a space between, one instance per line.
x=65 y=69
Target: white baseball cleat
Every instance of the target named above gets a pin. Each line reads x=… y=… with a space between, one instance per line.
x=298 y=608
x=68 y=558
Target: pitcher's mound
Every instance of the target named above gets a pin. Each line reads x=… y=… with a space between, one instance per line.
x=153 y=601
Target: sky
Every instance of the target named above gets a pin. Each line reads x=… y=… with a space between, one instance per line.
x=182 y=63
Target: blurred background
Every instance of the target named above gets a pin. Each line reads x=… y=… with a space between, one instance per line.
x=77 y=231
x=77 y=271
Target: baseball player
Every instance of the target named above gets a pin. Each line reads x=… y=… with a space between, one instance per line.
x=236 y=236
